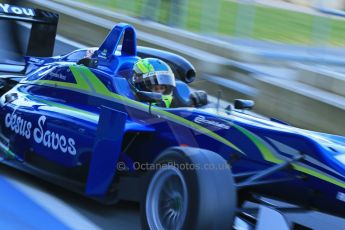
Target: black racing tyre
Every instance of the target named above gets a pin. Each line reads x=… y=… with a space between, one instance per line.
x=189 y=188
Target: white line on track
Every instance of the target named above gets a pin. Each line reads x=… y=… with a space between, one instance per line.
x=54 y=206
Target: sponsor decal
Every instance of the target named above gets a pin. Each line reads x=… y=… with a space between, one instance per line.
x=18 y=125
x=37 y=61
x=341 y=196
x=58 y=76
x=103 y=54
x=46 y=137
x=202 y=120
x=150 y=74
x=8 y=9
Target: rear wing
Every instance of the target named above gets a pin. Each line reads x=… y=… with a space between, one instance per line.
x=42 y=33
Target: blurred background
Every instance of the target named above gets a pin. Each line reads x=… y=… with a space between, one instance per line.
x=287 y=55
x=283 y=21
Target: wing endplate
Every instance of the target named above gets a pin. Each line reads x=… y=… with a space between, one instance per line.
x=106 y=151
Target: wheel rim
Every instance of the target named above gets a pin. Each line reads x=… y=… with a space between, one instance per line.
x=166 y=199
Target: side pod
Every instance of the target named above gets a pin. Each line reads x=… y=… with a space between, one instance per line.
x=106 y=151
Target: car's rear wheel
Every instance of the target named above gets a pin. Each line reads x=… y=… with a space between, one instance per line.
x=190 y=188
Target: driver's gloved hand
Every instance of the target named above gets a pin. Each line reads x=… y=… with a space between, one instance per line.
x=198 y=98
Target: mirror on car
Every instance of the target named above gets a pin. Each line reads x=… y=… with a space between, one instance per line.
x=149 y=97
x=243 y=104
x=228 y=109
x=88 y=62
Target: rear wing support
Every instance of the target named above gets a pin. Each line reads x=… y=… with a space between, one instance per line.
x=43 y=30
x=41 y=39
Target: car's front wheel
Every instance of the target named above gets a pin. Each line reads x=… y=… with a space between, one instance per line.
x=189 y=188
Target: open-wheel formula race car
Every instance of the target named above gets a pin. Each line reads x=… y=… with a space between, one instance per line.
x=74 y=120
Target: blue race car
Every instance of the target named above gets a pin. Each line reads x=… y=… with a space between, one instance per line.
x=74 y=120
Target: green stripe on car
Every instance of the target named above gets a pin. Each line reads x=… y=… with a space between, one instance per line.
x=102 y=91
x=269 y=156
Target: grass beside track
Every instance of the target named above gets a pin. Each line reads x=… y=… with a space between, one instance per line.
x=257 y=22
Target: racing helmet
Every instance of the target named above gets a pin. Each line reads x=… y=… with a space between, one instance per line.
x=150 y=72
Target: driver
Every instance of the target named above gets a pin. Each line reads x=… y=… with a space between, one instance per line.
x=152 y=74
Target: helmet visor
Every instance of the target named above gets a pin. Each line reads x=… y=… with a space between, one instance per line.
x=159 y=78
